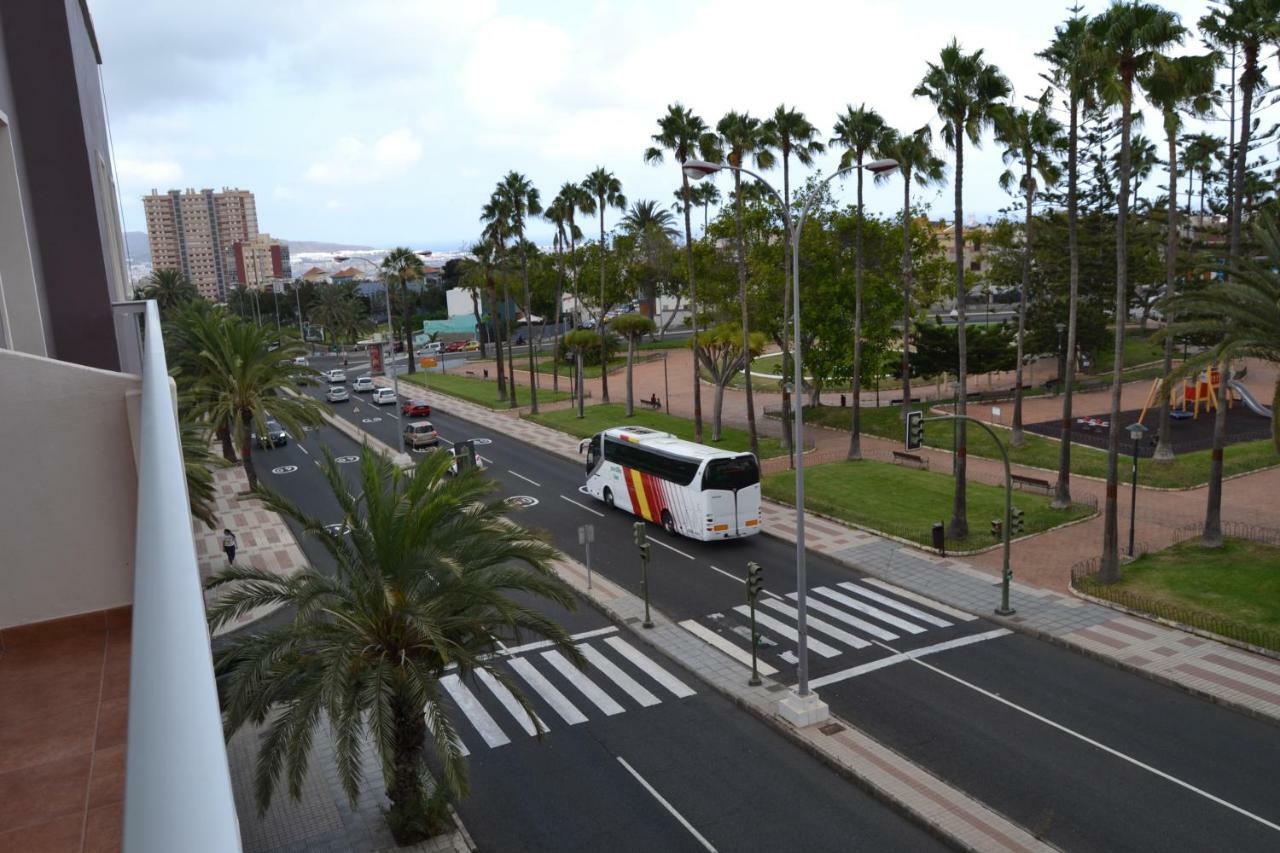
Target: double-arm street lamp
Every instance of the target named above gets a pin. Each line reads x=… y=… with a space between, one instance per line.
x=801 y=707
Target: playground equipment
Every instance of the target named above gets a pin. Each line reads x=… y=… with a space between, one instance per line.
x=1204 y=391
x=1250 y=402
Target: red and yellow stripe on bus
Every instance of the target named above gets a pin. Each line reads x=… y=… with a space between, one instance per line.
x=646 y=493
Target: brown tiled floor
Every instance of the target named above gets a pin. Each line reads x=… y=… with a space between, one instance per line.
x=63 y=708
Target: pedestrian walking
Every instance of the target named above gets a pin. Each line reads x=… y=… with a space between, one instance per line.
x=229 y=545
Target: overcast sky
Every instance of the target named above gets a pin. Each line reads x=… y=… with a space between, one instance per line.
x=386 y=122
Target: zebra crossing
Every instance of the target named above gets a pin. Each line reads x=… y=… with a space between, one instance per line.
x=618 y=678
x=843 y=617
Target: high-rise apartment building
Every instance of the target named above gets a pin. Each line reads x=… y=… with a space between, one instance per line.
x=193 y=231
x=260 y=263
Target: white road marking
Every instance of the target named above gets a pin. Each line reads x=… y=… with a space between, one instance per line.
x=620 y=678
x=713 y=639
x=896 y=605
x=888 y=618
x=818 y=625
x=580 y=506
x=546 y=644
x=508 y=700
x=523 y=477
x=671 y=548
x=549 y=692
x=1102 y=746
x=585 y=685
x=479 y=717
x=902 y=657
x=651 y=669
x=732 y=576
x=666 y=805
x=920 y=599
x=835 y=613
x=304 y=450
x=790 y=633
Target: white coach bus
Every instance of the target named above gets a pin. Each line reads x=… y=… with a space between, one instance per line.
x=691 y=489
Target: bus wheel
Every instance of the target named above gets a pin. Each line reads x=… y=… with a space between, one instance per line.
x=608 y=497
x=668 y=523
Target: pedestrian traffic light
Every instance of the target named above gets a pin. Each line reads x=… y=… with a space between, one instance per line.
x=915 y=430
x=638 y=533
x=755 y=581
x=1016 y=522
x=997 y=528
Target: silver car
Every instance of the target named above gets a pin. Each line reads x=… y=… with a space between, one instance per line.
x=337 y=394
x=362 y=384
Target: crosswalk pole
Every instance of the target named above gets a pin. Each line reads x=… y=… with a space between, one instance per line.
x=753 y=592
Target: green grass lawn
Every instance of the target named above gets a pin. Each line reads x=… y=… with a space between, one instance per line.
x=1188 y=469
x=482 y=392
x=906 y=502
x=1234 y=590
x=592 y=371
x=1139 y=348
x=606 y=415
x=665 y=343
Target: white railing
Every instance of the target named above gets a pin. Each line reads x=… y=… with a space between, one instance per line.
x=177 y=782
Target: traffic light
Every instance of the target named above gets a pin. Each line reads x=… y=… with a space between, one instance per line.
x=915 y=430
x=642 y=540
x=755 y=581
x=997 y=528
x=1016 y=522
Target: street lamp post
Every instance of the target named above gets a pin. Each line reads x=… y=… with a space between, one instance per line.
x=1136 y=432
x=1062 y=355
x=802 y=707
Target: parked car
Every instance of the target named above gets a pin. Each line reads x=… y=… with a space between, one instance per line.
x=421 y=434
x=334 y=376
x=456 y=346
x=337 y=394
x=362 y=384
x=471 y=346
x=416 y=409
x=432 y=348
x=301 y=361
x=384 y=397
x=275 y=436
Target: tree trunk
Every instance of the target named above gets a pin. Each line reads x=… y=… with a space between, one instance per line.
x=528 y=328
x=475 y=310
x=494 y=324
x=960 y=505
x=787 y=443
x=512 y=400
x=693 y=310
x=717 y=413
x=1213 y=505
x=407 y=314
x=228 y=446
x=1016 y=438
x=1109 y=566
x=742 y=297
x=662 y=334
x=604 y=355
x=1062 y=490
x=555 y=349
x=855 y=389
x=1164 y=446
x=407 y=818
x=246 y=449
x=581 y=384
x=631 y=359
x=1248 y=79
x=907 y=281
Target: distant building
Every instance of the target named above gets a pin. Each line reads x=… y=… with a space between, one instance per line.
x=348 y=275
x=193 y=231
x=975 y=250
x=260 y=263
x=315 y=275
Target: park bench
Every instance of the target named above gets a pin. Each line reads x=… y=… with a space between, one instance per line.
x=652 y=403
x=913 y=460
x=898 y=401
x=1025 y=483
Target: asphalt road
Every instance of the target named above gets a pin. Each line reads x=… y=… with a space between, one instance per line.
x=1091 y=757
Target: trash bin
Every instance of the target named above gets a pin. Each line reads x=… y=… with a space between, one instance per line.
x=939 y=538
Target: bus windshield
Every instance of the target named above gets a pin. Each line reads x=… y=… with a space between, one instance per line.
x=731 y=474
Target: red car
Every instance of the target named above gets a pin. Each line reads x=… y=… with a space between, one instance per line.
x=416 y=409
x=454 y=346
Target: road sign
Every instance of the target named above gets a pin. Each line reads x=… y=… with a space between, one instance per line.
x=427 y=362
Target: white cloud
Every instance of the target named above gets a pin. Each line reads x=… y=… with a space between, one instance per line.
x=353 y=160
x=135 y=173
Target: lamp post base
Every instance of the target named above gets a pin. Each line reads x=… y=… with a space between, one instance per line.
x=803 y=711
x=1005 y=611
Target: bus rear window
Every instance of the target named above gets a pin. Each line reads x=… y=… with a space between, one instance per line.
x=731 y=474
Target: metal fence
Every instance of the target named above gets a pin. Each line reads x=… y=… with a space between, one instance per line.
x=1232 y=530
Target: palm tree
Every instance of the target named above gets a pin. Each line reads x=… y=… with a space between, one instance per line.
x=703 y=194
x=522 y=201
x=339 y=310
x=1125 y=41
x=965 y=90
x=169 y=288
x=632 y=327
x=186 y=335
x=685 y=135
x=916 y=161
x=1072 y=72
x=404 y=265
x=652 y=229
x=239 y=382
x=557 y=213
x=788 y=132
x=742 y=137
x=497 y=231
x=432 y=575
x=198 y=462
x=572 y=199
x=1203 y=150
x=606 y=192
x=1031 y=138
x=1175 y=85
x=858 y=132
x=479 y=275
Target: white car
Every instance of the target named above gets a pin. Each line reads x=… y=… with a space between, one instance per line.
x=300 y=361
x=337 y=394
x=362 y=384
x=384 y=397
x=335 y=376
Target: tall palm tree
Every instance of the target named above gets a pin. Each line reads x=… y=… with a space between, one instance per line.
x=1125 y=42
x=497 y=231
x=339 y=310
x=632 y=327
x=858 y=131
x=522 y=201
x=1203 y=151
x=573 y=199
x=1031 y=139
x=916 y=162
x=187 y=333
x=198 y=463
x=789 y=133
x=686 y=136
x=742 y=138
x=243 y=384
x=403 y=266
x=1073 y=74
x=432 y=575
x=557 y=213
x=606 y=192
x=479 y=275
x=703 y=194
x=965 y=90
x=169 y=288
x=652 y=229
x=1175 y=85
